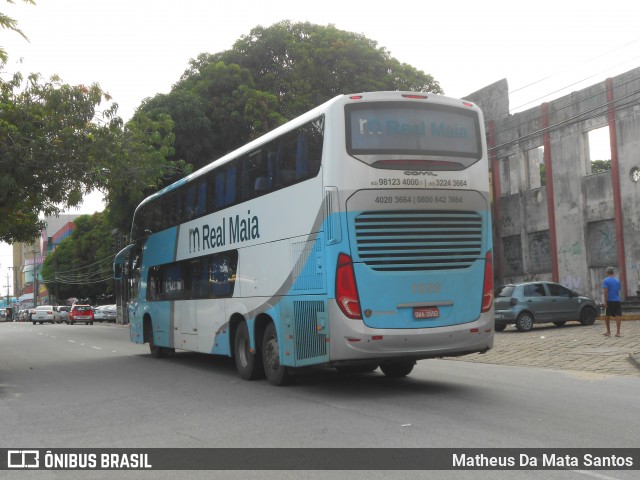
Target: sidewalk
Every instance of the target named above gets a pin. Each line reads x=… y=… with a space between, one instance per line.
x=571 y=347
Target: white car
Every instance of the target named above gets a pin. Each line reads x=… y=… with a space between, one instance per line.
x=105 y=313
x=63 y=310
x=45 y=313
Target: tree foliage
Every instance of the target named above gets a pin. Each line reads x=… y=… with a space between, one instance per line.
x=599 y=166
x=56 y=146
x=81 y=266
x=271 y=75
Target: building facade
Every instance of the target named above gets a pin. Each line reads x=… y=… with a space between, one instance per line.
x=28 y=259
x=555 y=218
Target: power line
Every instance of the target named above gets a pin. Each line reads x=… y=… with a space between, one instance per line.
x=505 y=123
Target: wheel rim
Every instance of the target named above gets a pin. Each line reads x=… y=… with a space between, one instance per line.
x=526 y=321
x=272 y=353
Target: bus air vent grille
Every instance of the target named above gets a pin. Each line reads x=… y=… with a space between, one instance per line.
x=309 y=342
x=418 y=239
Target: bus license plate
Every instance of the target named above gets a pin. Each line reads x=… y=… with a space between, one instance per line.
x=422 y=313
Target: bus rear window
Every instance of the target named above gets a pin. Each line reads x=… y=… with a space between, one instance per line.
x=417 y=136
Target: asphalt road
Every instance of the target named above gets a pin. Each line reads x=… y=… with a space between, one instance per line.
x=88 y=386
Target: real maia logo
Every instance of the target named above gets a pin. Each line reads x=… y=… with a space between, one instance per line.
x=234 y=230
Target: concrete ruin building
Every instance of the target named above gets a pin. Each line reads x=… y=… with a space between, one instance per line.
x=554 y=217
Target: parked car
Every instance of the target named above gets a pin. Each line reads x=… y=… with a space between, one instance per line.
x=107 y=313
x=63 y=310
x=525 y=304
x=45 y=314
x=98 y=314
x=80 y=314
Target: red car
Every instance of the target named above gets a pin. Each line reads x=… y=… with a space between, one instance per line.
x=80 y=313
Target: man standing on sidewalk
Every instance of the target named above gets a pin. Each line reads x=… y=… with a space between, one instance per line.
x=611 y=290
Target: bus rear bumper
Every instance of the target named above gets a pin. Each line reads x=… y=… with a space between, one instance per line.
x=353 y=340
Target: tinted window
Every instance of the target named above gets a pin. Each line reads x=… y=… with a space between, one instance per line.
x=556 y=290
x=384 y=134
x=504 y=291
x=291 y=158
x=212 y=276
x=535 y=290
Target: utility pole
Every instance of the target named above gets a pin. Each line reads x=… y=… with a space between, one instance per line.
x=35 y=279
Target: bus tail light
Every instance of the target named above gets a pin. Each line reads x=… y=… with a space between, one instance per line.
x=487 y=292
x=346 y=288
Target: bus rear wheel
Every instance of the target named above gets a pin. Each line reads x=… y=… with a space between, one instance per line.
x=397 y=369
x=248 y=363
x=277 y=374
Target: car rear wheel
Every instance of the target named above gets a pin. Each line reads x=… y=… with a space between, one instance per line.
x=588 y=316
x=524 y=323
x=500 y=328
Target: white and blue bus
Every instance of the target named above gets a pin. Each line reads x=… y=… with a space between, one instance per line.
x=355 y=236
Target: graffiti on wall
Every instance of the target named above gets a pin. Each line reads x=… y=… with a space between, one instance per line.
x=512 y=251
x=506 y=222
x=572 y=282
x=540 y=252
x=601 y=243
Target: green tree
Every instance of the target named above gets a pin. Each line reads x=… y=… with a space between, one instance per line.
x=223 y=100
x=81 y=266
x=599 y=166
x=214 y=111
x=59 y=142
x=8 y=23
x=305 y=65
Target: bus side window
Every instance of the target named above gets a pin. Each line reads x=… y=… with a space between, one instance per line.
x=315 y=136
x=153 y=285
x=173 y=285
x=189 y=202
x=201 y=203
x=219 y=190
x=302 y=166
x=285 y=162
x=230 y=186
x=222 y=274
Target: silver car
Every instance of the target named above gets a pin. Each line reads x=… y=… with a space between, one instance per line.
x=45 y=313
x=525 y=304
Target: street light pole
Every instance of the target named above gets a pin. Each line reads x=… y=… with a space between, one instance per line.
x=35 y=279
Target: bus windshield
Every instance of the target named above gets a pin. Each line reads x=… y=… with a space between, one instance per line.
x=418 y=136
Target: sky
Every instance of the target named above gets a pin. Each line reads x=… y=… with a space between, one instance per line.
x=137 y=48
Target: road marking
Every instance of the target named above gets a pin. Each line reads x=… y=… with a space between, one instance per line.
x=71 y=341
x=97 y=348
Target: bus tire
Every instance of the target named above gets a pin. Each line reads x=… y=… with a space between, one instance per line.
x=248 y=363
x=276 y=373
x=397 y=369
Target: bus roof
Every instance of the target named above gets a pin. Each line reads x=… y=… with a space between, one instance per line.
x=304 y=118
